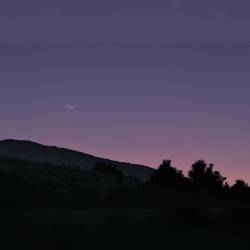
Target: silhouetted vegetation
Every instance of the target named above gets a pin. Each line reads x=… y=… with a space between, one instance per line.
x=167 y=176
x=29 y=184
x=105 y=168
x=119 y=212
x=204 y=178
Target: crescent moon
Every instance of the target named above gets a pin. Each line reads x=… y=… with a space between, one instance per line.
x=70 y=106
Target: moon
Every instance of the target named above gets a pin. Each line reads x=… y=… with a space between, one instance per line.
x=70 y=106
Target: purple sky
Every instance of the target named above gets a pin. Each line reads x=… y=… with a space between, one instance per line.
x=149 y=79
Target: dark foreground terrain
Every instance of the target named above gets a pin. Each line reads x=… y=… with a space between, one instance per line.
x=125 y=229
x=46 y=205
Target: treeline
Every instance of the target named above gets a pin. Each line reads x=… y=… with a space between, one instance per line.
x=203 y=185
x=26 y=184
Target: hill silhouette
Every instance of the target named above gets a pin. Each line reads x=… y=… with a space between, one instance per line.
x=35 y=152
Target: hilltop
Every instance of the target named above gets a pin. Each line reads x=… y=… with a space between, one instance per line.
x=35 y=152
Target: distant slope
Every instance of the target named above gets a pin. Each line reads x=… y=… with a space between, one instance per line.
x=32 y=151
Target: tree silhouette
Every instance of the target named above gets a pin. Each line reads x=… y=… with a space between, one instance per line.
x=205 y=178
x=240 y=187
x=168 y=176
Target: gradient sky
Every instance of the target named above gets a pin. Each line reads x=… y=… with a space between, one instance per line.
x=150 y=79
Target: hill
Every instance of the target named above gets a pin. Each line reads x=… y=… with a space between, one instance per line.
x=35 y=152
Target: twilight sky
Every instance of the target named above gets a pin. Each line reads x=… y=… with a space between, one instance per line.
x=149 y=79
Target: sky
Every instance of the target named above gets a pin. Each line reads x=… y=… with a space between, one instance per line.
x=135 y=81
